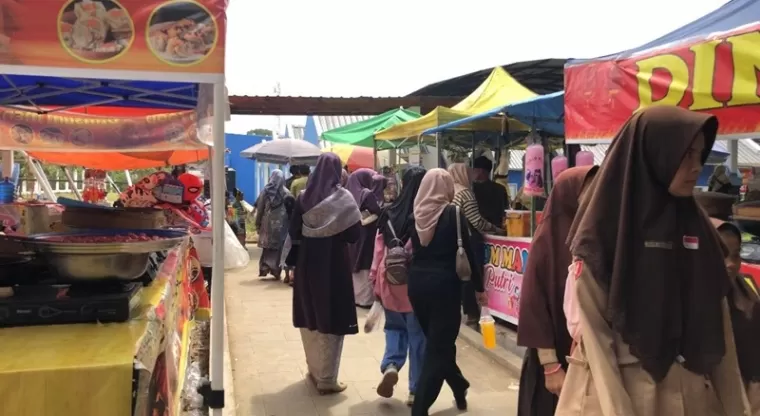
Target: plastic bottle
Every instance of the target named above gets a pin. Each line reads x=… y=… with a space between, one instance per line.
x=487 y=329
x=559 y=164
x=7 y=191
x=534 y=170
x=584 y=158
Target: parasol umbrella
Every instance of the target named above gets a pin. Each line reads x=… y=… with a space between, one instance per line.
x=284 y=152
x=354 y=157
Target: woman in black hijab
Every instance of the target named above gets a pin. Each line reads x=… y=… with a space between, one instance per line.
x=653 y=326
x=400 y=211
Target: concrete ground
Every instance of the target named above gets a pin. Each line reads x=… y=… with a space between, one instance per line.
x=268 y=364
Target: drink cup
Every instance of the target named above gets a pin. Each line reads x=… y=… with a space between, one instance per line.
x=488 y=331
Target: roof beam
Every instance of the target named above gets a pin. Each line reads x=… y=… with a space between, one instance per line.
x=332 y=106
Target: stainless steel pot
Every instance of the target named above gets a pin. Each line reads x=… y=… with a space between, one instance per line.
x=122 y=266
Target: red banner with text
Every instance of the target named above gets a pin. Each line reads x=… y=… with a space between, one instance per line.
x=718 y=75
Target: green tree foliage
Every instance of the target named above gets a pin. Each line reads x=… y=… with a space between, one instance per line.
x=260 y=132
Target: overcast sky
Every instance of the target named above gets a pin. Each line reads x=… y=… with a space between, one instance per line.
x=349 y=48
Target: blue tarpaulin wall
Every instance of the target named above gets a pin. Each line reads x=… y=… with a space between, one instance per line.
x=247 y=171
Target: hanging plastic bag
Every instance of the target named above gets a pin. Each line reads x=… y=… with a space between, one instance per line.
x=235 y=255
x=374 y=317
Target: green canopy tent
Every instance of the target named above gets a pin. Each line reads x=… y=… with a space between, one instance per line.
x=362 y=133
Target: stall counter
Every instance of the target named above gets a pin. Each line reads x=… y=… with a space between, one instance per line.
x=93 y=369
x=505 y=261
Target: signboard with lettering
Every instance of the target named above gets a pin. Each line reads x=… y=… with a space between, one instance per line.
x=717 y=73
x=506 y=258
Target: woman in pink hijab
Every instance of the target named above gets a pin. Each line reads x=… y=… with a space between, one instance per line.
x=435 y=288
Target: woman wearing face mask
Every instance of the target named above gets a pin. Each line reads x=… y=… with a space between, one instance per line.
x=742 y=300
x=543 y=328
x=653 y=324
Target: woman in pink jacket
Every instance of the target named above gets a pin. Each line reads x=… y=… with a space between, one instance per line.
x=402 y=331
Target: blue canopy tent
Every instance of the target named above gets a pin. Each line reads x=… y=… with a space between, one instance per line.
x=730 y=16
x=601 y=93
x=60 y=94
x=545 y=113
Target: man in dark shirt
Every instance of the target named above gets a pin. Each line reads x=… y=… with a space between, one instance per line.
x=295 y=173
x=492 y=197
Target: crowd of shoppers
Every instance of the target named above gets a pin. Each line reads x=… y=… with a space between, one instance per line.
x=631 y=301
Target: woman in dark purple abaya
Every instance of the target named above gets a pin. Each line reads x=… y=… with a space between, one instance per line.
x=368 y=194
x=325 y=221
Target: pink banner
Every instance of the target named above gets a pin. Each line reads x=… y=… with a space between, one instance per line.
x=503 y=273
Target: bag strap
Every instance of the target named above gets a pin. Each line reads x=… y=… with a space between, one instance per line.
x=459 y=227
x=390 y=227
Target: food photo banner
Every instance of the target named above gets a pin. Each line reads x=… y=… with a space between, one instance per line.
x=505 y=262
x=718 y=74
x=61 y=131
x=133 y=35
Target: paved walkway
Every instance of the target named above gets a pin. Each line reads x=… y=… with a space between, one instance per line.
x=268 y=363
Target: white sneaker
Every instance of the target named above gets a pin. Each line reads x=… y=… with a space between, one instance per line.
x=410 y=400
x=388 y=383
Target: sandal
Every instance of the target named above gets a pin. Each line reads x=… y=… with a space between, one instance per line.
x=325 y=388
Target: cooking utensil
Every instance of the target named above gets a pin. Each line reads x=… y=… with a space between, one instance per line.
x=45 y=243
x=101 y=261
x=120 y=266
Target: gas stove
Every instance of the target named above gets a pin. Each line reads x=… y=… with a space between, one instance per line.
x=68 y=304
x=33 y=295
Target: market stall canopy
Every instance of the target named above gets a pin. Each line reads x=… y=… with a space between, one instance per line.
x=544 y=112
x=354 y=157
x=708 y=65
x=284 y=152
x=498 y=89
x=363 y=132
x=542 y=76
x=121 y=161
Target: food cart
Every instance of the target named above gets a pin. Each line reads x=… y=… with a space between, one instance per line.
x=506 y=256
x=151 y=78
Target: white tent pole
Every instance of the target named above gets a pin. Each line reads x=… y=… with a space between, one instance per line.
x=218 y=186
x=72 y=184
x=733 y=156
x=129 y=177
x=7 y=163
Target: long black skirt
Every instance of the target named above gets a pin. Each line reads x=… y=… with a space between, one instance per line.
x=534 y=399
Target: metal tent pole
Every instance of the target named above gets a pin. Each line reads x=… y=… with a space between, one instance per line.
x=218 y=185
x=67 y=171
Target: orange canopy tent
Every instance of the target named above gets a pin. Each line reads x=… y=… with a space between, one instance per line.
x=122 y=161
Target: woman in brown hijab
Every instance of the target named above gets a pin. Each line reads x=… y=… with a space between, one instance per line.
x=650 y=280
x=543 y=328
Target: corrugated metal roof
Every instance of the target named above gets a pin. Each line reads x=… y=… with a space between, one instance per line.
x=327 y=123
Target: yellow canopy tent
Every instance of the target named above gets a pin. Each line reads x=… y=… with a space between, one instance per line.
x=499 y=89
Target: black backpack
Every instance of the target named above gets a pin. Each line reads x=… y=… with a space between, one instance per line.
x=396 y=260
